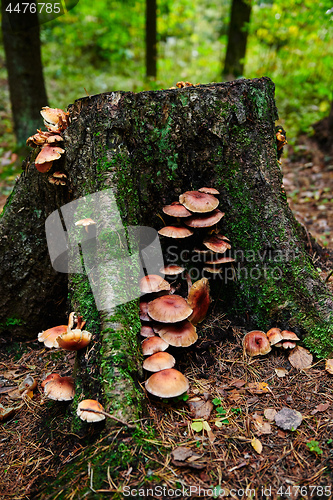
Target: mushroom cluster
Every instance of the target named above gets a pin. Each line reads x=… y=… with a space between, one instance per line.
x=66 y=336
x=196 y=213
x=56 y=121
x=259 y=343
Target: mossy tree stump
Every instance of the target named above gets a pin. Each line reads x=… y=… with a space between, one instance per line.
x=150 y=147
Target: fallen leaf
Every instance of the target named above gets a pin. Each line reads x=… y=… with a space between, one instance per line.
x=281 y=433
x=320 y=407
x=261 y=427
x=288 y=419
x=197 y=426
x=256 y=445
x=234 y=396
x=185 y=457
x=237 y=383
x=270 y=413
x=200 y=408
x=329 y=366
x=181 y=453
x=281 y=372
x=257 y=387
x=300 y=358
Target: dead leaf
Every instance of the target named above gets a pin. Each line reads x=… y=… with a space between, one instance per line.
x=234 y=396
x=270 y=413
x=237 y=383
x=320 y=407
x=256 y=445
x=260 y=426
x=181 y=453
x=200 y=408
x=288 y=419
x=281 y=372
x=257 y=387
x=185 y=457
x=329 y=366
x=300 y=358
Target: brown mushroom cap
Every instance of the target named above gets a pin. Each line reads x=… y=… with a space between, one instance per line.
x=175 y=232
x=85 y=222
x=48 y=154
x=147 y=331
x=198 y=202
x=217 y=243
x=55 y=119
x=213 y=270
x=172 y=270
x=256 y=343
x=60 y=389
x=153 y=283
x=221 y=260
x=90 y=416
x=50 y=377
x=288 y=335
x=153 y=344
x=199 y=299
x=329 y=366
x=274 y=336
x=206 y=220
x=176 y=209
x=143 y=314
x=74 y=340
x=49 y=337
x=169 y=309
x=168 y=383
x=209 y=190
x=182 y=334
x=159 y=361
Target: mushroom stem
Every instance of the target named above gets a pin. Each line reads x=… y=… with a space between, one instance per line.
x=189 y=282
x=130 y=426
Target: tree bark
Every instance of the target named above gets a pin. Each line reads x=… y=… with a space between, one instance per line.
x=151 y=38
x=237 y=39
x=149 y=148
x=25 y=71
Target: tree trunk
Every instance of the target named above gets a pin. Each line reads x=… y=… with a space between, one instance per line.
x=151 y=38
x=237 y=39
x=148 y=148
x=25 y=72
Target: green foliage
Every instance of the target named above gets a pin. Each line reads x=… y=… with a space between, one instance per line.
x=314 y=447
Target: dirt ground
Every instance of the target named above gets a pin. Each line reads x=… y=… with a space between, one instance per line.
x=235 y=449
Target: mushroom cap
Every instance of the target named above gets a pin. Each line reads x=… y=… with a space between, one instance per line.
x=182 y=334
x=176 y=209
x=85 y=222
x=212 y=270
x=147 y=331
x=209 y=190
x=329 y=366
x=143 y=314
x=28 y=384
x=168 y=383
x=54 y=137
x=172 y=269
x=288 y=335
x=45 y=167
x=159 y=361
x=288 y=345
x=206 y=220
x=256 y=343
x=169 y=309
x=74 y=340
x=60 y=389
x=48 y=154
x=199 y=299
x=49 y=337
x=50 y=377
x=175 y=232
x=221 y=260
x=55 y=119
x=153 y=283
x=217 y=243
x=153 y=344
x=274 y=336
x=90 y=416
x=196 y=201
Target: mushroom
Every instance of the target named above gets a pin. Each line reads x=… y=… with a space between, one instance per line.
x=221 y=260
x=60 y=389
x=175 y=232
x=85 y=223
x=28 y=384
x=143 y=314
x=159 y=361
x=153 y=344
x=206 y=220
x=199 y=299
x=288 y=335
x=49 y=337
x=47 y=156
x=274 y=336
x=169 y=309
x=176 y=209
x=217 y=243
x=181 y=334
x=147 y=331
x=55 y=119
x=172 y=270
x=153 y=283
x=90 y=410
x=196 y=201
x=74 y=340
x=168 y=383
x=50 y=377
x=209 y=190
x=256 y=343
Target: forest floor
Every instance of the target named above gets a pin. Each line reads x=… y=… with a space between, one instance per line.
x=229 y=441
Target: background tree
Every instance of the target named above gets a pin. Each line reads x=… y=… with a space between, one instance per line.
x=151 y=38
x=25 y=72
x=237 y=39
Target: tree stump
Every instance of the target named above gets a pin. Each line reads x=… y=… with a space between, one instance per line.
x=149 y=148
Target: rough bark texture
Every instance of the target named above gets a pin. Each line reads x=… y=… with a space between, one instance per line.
x=25 y=71
x=237 y=39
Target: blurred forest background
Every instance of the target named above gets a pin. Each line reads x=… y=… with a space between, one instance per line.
x=101 y=46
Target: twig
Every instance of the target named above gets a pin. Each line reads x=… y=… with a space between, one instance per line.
x=130 y=426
